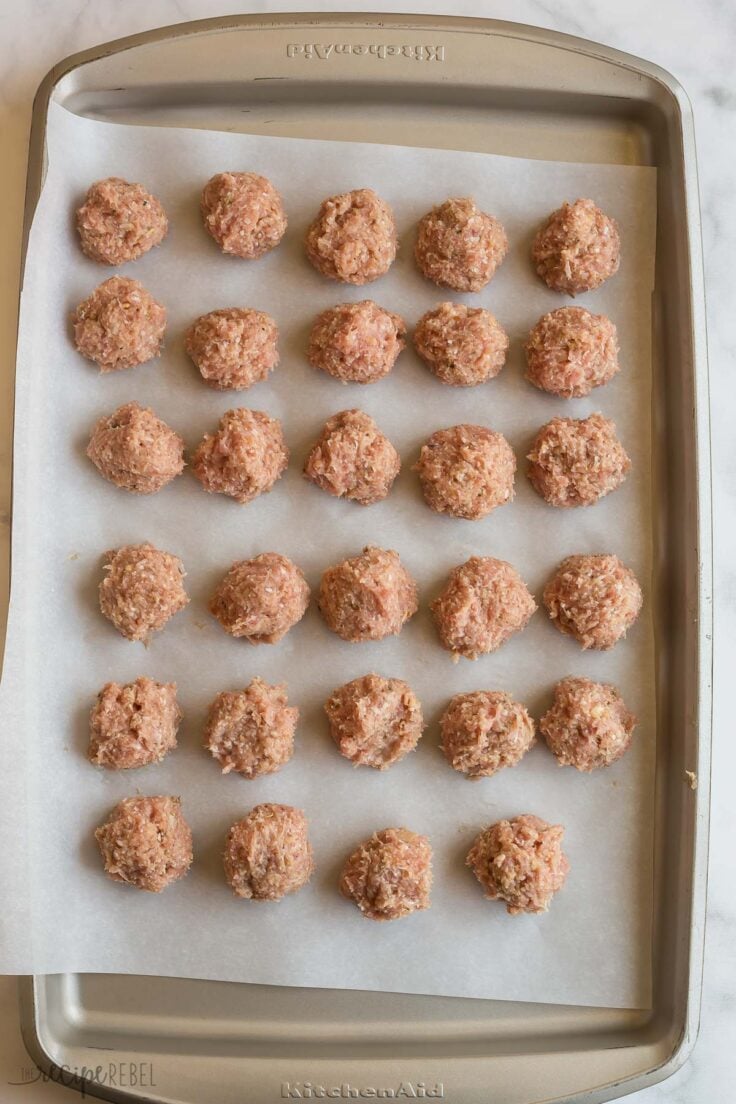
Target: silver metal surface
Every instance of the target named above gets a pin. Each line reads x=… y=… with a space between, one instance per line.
x=501 y=88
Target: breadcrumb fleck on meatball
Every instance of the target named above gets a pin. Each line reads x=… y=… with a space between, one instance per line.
x=120 y=325
x=146 y=842
x=463 y=346
x=119 y=222
x=484 y=602
x=244 y=213
x=353 y=238
x=352 y=459
x=389 y=875
x=367 y=597
x=251 y=731
x=133 y=725
x=588 y=725
x=520 y=862
x=136 y=450
x=459 y=246
x=356 y=342
x=233 y=348
x=595 y=599
x=261 y=599
x=570 y=351
x=375 y=721
x=577 y=248
x=244 y=458
x=575 y=462
x=466 y=471
x=141 y=590
x=268 y=853
x=484 y=731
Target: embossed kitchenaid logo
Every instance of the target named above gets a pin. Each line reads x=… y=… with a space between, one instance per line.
x=323 y=51
x=404 y=1090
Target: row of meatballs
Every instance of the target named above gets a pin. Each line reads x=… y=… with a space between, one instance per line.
x=593 y=598
x=147 y=843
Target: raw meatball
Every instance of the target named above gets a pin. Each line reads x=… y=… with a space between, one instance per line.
x=570 y=351
x=375 y=721
x=367 y=597
x=244 y=458
x=120 y=325
x=462 y=345
x=389 y=875
x=485 y=731
x=577 y=248
x=574 y=462
x=119 y=222
x=141 y=590
x=356 y=342
x=251 y=731
x=146 y=842
x=353 y=237
x=466 y=471
x=268 y=854
x=595 y=599
x=588 y=725
x=485 y=601
x=135 y=450
x=521 y=862
x=244 y=213
x=233 y=348
x=459 y=246
x=261 y=599
x=352 y=459
x=133 y=725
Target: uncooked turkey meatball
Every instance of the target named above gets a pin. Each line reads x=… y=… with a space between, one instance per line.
x=595 y=599
x=146 y=842
x=466 y=471
x=352 y=459
x=244 y=214
x=233 y=348
x=570 y=351
x=356 y=342
x=577 y=248
x=375 y=721
x=353 y=238
x=484 y=602
x=119 y=222
x=459 y=246
x=135 y=450
x=268 y=853
x=588 y=725
x=142 y=589
x=261 y=599
x=133 y=725
x=120 y=325
x=251 y=731
x=521 y=862
x=463 y=346
x=367 y=597
x=575 y=462
x=484 y=731
x=244 y=458
x=389 y=875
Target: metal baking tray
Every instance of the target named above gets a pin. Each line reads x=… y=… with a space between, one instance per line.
x=466 y=84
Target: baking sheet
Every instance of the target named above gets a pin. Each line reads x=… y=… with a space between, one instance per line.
x=61 y=914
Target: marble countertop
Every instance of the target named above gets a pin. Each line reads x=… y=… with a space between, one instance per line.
x=697 y=43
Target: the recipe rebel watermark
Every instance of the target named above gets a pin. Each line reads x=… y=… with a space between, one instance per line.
x=404 y=1090
x=323 y=51
x=116 y=1075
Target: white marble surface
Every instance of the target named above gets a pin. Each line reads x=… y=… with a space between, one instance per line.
x=695 y=41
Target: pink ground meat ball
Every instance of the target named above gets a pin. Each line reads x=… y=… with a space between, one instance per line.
x=244 y=458
x=233 y=348
x=268 y=853
x=577 y=248
x=375 y=721
x=389 y=875
x=119 y=222
x=570 y=351
x=521 y=862
x=146 y=842
x=251 y=731
x=575 y=462
x=353 y=238
x=466 y=471
x=135 y=450
x=133 y=725
x=463 y=346
x=367 y=597
x=261 y=599
x=484 y=602
x=588 y=725
x=484 y=731
x=142 y=589
x=459 y=246
x=356 y=342
x=595 y=599
x=244 y=214
x=352 y=459
x=120 y=325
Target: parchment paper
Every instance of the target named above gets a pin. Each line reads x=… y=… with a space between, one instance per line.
x=60 y=913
